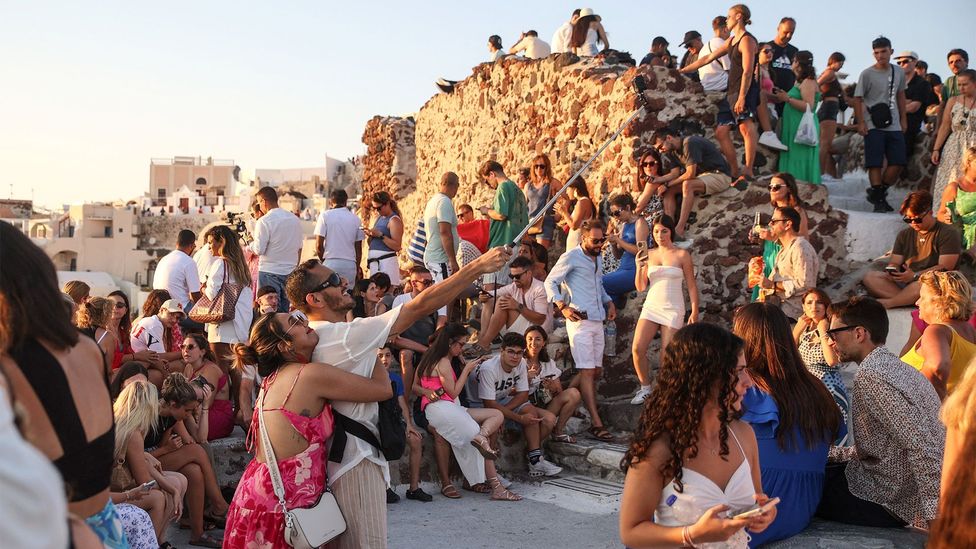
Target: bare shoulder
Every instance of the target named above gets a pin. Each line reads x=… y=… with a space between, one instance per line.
x=744 y=433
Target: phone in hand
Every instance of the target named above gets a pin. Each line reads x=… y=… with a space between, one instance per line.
x=758 y=510
x=891 y=269
x=641 y=251
x=148 y=486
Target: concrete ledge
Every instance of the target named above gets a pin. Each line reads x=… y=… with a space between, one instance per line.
x=230 y=458
x=822 y=534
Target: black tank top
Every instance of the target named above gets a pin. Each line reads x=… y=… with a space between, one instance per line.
x=85 y=467
x=735 y=71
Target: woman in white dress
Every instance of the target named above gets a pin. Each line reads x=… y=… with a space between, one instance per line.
x=691 y=467
x=660 y=272
x=582 y=211
x=587 y=32
x=229 y=267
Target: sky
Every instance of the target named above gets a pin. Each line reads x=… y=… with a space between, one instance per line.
x=91 y=91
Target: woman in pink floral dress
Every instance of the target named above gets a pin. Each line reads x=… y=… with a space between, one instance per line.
x=255 y=521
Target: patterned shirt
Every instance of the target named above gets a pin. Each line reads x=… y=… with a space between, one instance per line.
x=796 y=270
x=896 y=460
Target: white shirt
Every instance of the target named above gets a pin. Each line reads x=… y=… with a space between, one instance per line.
x=494 y=383
x=535 y=48
x=534 y=298
x=341 y=230
x=715 y=75
x=351 y=347
x=405 y=298
x=203 y=258
x=560 y=40
x=243 y=309
x=148 y=335
x=177 y=273
x=278 y=242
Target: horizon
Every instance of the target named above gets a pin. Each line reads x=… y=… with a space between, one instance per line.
x=103 y=89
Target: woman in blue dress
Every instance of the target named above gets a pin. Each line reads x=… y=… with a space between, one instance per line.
x=793 y=415
x=632 y=229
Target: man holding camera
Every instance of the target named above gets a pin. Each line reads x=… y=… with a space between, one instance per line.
x=277 y=243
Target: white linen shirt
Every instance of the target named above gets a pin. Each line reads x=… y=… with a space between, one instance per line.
x=177 y=274
x=277 y=242
x=533 y=298
x=341 y=230
x=560 y=40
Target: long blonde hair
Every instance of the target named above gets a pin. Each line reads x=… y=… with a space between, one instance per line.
x=136 y=410
x=954 y=525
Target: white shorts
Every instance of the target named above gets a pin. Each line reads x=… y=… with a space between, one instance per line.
x=586 y=343
x=390 y=265
x=439 y=271
x=520 y=325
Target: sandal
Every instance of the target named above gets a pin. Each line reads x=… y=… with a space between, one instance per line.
x=166 y=545
x=480 y=488
x=484 y=447
x=206 y=540
x=207 y=525
x=600 y=433
x=742 y=183
x=563 y=437
x=450 y=492
x=500 y=493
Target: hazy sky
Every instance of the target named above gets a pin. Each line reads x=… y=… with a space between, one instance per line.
x=90 y=91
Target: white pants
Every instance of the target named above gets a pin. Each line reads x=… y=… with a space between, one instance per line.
x=453 y=422
x=390 y=265
x=586 y=343
x=438 y=271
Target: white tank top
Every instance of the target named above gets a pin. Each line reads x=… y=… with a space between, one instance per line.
x=701 y=493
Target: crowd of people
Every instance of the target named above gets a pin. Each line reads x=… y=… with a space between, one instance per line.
x=316 y=360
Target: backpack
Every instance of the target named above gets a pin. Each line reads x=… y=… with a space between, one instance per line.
x=391 y=425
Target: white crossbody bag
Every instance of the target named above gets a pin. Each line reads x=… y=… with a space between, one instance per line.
x=305 y=527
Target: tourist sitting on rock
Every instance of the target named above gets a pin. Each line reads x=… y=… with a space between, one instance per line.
x=530 y=43
x=890 y=476
x=705 y=172
x=810 y=336
x=575 y=287
x=661 y=272
x=587 y=33
x=369 y=300
x=926 y=244
x=78 y=290
x=412 y=341
x=495 y=50
x=130 y=372
x=783 y=193
x=948 y=345
x=687 y=446
x=92 y=319
x=545 y=388
x=659 y=56
x=517 y=306
x=954 y=526
x=539 y=256
x=158 y=331
x=631 y=229
x=199 y=365
x=796 y=267
x=793 y=416
x=560 y=39
x=958 y=202
x=266 y=302
x=415 y=438
x=502 y=384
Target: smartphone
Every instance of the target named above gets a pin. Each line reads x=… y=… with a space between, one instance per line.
x=148 y=486
x=641 y=250
x=756 y=511
x=891 y=269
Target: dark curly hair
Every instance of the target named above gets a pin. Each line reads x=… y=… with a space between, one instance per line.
x=700 y=360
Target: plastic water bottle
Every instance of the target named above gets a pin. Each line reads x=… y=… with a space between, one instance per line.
x=610 y=339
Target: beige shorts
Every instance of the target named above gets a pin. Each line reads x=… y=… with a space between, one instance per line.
x=520 y=325
x=715 y=182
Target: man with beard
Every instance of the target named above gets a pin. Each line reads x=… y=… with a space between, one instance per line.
x=580 y=272
x=891 y=476
x=360 y=479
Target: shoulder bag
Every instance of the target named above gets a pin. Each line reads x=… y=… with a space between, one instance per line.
x=222 y=308
x=305 y=527
x=881 y=115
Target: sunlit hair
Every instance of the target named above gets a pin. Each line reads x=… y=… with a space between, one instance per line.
x=225 y=245
x=699 y=365
x=546 y=177
x=440 y=347
x=969 y=156
x=744 y=11
x=94 y=313
x=805 y=406
x=952 y=294
x=136 y=411
x=641 y=179
x=77 y=289
x=804 y=61
x=177 y=390
x=954 y=525
x=263 y=348
x=127 y=370
x=383 y=198
x=580 y=29
x=794 y=191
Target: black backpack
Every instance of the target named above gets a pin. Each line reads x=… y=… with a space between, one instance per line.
x=391 y=425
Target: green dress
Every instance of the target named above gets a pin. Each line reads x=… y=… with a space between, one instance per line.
x=963 y=210
x=803 y=161
x=771 y=249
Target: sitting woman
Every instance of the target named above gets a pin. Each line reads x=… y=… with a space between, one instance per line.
x=793 y=415
x=170 y=442
x=957 y=204
x=92 y=319
x=466 y=429
x=545 y=389
x=128 y=373
x=136 y=409
x=654 y=170
x=632 y=230
x=369 y=300
x=199 y=361
x=295 y=402
x=783 y=193
x=121 y=327
x=684 y=475
x=819 y=356
x=948 y=344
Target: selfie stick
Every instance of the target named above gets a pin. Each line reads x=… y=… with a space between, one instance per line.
x=640 y=87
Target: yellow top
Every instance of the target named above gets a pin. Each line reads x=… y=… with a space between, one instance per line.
x=961 y=353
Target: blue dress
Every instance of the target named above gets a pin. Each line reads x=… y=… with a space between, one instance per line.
x=621 y=282
x=795 y=476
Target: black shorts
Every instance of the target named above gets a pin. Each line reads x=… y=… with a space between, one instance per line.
x=828 y=111
x=880 y=145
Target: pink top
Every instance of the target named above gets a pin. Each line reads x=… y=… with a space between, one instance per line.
x=433 y=383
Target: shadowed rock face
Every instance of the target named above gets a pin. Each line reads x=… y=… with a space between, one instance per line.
x=566 y=108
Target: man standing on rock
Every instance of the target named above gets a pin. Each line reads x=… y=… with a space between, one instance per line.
x=278 y=244
x=359 y=480
x=584 y=306
x=440 y=221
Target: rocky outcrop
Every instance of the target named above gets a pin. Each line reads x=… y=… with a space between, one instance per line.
x=390 y=162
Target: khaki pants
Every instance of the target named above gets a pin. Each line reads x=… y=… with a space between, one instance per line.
x=361 y=494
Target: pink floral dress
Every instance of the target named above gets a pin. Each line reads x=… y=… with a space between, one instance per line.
x=254 y=520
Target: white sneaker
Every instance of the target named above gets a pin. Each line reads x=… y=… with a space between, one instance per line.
x=770 y=140
x=641 y=395
x=503 y=481
x=544 y=468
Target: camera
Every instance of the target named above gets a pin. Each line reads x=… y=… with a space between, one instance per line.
x=202 y=382
x=236 y=222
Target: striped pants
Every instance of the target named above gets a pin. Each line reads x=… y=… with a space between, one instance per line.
x=361 y=494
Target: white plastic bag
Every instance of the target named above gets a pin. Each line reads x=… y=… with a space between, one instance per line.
x=806 y=133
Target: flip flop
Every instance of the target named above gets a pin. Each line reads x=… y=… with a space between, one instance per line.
x=449 y=491
x=601 y=433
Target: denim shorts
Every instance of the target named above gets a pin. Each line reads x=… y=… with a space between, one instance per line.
x=828 y=111
x=882 y=144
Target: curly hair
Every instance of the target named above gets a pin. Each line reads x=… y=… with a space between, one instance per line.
x=699 y=363
x=94 y=313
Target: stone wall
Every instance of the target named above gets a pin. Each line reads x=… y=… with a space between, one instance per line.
x=390 y=162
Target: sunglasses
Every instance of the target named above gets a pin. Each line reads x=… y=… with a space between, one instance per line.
x=539 y=166
x=296 y=318
x=774 y=188
x=904 y=61
x=615 y=213
x=334 y=281
x=513 y=276
x=773 y=221
x=120 y=305
x=189 y=347
x=427 y=282
x=832 y=334
x=514 y=352
x=597 y=240
x=915 y=220
x=649 y=163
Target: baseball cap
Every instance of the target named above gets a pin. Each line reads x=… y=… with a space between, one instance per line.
x=907 y=53
x=689 y=36
x=172 y=306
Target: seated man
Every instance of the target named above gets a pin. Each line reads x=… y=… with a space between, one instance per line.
x=925 y=245
x=891 y=476
x=519 y=305
x=503 y=383
x=267 y=301
x=149 y=334
x=796 y=264
x=706 y=172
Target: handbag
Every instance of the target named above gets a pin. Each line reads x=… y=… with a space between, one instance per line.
x=121 y=477
x=222 y=308
x=806 y=132
x=881 y=112
x=305 y=527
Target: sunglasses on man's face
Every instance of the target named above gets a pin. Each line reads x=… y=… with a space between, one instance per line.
x=334 y=281
x=425 y=282
x=917 y=219
x=515 y=276
x=832 y=334
x=597 y=240
x=774 y=188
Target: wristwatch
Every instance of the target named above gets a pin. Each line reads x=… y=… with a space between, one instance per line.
x=521 y=307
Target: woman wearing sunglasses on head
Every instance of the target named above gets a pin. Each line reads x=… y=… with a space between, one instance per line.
x=783 y=193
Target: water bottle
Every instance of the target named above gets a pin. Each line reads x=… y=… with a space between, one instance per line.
x=610 y=339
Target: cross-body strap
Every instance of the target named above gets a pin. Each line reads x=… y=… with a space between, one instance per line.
x=891 y=85
x=348 y=425
x=271 y=463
